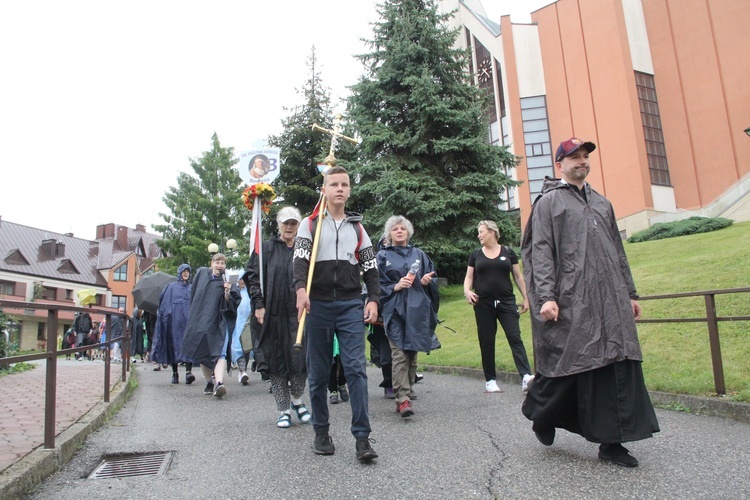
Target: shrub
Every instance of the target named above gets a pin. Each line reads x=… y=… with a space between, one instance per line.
x=693 y=225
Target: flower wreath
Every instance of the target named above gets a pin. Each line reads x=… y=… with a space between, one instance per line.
x=260 y=190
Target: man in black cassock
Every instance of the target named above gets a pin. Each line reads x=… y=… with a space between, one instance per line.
x=584 y=306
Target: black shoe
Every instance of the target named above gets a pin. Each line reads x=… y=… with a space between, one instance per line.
x=365 y=453
x=189 y=378
x=343 y=394
x=546 y=436
x=418 y=378
x=209 y=390
x=618 y=454
x=323 y=444
x=253 y=365
x=175 y=378
x=220 y=390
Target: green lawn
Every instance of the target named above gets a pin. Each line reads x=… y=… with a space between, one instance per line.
x=676 y=356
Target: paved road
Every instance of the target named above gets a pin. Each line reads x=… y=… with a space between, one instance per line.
x=462 y=443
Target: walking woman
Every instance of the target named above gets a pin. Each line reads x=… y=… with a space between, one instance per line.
x=407 y=290
x=171 y=321
x=488 y=288
x=213 y=311
x=274 y=321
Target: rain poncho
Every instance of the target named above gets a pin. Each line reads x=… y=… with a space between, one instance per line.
x=573 y=254
x=409 y=317
x=211 y=319
x=171 y=320
x=273 y=340
x=243 y=315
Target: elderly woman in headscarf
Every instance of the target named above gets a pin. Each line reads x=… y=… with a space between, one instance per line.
x=274 y=321
x=408 y=295
x=171 y=321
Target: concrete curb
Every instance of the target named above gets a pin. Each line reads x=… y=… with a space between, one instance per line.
x=708 y=406
x=18 y=479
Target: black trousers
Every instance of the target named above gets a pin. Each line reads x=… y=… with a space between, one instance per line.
x=605 y=405
x=487 y=316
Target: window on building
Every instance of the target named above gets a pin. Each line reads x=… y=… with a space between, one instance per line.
x=49 y=293
x=41 y=331
x=652 y=132
x=7 y=288
x=120 y=301
x=68 y=294
x=121 y=273
x=536 y=137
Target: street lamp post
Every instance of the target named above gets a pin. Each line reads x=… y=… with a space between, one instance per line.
x=230 y=245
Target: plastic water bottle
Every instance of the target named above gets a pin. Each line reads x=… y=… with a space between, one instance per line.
x=414 y=269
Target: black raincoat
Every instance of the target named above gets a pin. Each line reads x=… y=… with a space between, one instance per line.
x=211 y=320
x=573 y=254
x=273 y=341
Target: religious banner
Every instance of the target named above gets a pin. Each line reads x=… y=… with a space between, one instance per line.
x=260 y=165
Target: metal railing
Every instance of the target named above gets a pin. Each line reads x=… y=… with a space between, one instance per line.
x=712 y=320
x=52 y=353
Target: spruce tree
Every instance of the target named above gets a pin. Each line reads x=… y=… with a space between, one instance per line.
x=205 y=207
x=425 y=153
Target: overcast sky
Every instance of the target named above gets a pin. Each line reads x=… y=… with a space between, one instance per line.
x=102 y=103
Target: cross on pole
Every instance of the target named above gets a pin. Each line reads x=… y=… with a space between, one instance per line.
x=335 y=134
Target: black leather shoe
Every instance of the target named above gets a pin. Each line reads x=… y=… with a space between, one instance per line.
x=618 y=454
x=546 y=436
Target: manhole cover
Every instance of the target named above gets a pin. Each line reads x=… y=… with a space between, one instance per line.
x=133 y=464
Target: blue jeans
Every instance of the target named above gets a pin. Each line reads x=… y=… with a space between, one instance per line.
x=345 y=317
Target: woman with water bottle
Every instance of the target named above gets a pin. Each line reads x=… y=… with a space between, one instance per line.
x=408 y=296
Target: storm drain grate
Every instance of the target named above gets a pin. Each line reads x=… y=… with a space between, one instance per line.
x=133 y=464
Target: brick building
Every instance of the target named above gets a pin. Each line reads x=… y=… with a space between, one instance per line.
x=44 y=266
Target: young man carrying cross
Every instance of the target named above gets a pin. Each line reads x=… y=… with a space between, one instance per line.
x=335 y=305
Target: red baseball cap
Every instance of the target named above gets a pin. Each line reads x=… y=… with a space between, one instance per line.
x=571 y=146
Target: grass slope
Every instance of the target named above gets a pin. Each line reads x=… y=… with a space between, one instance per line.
x=676 y=356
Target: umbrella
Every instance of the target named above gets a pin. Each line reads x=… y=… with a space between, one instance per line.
x=87 y=296
x=147 y=291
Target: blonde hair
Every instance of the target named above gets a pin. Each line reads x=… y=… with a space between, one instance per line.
x=219 y=256
x=492 y=226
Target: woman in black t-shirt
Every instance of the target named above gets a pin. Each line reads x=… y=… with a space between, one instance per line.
x=488 y=274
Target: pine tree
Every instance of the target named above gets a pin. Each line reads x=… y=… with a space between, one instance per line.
x=425 y=153
x=205 y=208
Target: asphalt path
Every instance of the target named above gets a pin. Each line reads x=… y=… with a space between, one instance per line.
x=461 y=443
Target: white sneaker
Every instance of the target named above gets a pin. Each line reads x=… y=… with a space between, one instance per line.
x=527 y=380
x=491 y=386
